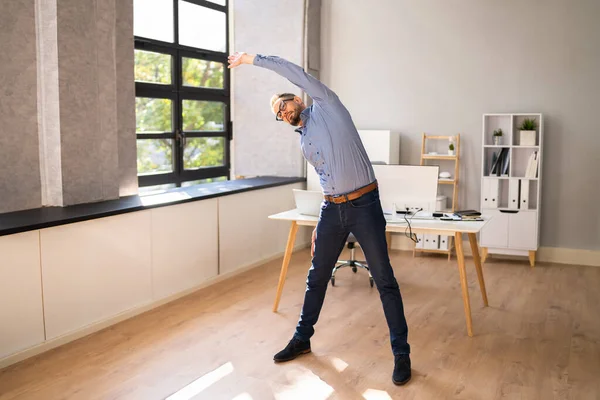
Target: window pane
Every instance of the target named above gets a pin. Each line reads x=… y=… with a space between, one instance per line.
x=201 y=181
x=204 y=152
x=154 y=156
x=203 y=115
x=202 y=73
x=153 y=19
x=201 y=27
x=152 y=115
x=152 y=67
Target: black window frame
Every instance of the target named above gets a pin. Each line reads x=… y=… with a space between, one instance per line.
x=176 y=92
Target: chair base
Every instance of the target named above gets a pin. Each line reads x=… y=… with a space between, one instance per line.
x=355 y=265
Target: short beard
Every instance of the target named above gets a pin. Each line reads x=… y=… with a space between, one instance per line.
x=295 y=120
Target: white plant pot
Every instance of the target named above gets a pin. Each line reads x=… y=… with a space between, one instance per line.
x=450 y=152
x=497 y=140
x=527 y=138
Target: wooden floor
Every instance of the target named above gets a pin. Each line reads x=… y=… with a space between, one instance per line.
x=539 y=339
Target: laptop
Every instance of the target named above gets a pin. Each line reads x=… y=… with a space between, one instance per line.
x=308 y=202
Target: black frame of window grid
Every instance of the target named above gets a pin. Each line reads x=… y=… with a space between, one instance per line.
x=176 y=92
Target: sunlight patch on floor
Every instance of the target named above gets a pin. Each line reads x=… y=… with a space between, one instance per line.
x=302 y=384
x=373 y=394
x=339 y=364
x=202 y=383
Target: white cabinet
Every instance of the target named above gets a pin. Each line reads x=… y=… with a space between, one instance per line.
x=511 y=184
x=510 y=229
x=95 y=270
x=21 y=315
x=495 y=232
x=193 y=257
x=522 y=230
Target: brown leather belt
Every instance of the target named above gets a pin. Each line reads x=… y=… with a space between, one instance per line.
x=342 y=198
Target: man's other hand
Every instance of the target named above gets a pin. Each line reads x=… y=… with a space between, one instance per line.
x=239 y=58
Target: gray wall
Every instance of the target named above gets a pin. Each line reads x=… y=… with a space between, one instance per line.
x=77 y=75
x=19 y=150
x=437 y=66
x=262 y=146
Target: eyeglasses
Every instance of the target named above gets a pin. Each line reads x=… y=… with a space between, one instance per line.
x=281 y=108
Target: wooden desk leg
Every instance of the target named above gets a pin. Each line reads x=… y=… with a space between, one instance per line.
x=475 y=251
x=286 y=262
x=532 y=258
x=463 y=281
x=484 y=254
x=388 y=236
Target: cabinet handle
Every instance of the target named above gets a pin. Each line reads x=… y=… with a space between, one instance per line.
x=509 y=211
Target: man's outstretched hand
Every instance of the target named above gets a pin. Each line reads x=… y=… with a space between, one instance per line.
x=239 y=58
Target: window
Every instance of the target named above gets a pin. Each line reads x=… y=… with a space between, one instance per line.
x=183 y=104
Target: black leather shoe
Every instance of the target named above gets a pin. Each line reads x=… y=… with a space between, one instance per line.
x=294 y=348
x=401 y=373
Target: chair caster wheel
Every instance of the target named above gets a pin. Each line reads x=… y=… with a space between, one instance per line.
x=332 y=281
x=354 y=269
x=371 y=281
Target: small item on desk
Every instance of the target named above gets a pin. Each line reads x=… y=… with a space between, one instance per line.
x=438 y=214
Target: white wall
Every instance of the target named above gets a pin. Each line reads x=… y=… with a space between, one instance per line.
x=437 y=66
x=262 y=146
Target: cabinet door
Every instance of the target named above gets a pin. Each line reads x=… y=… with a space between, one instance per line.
x=522 y=230
x=495 y=232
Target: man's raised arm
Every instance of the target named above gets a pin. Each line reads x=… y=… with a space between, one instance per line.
x=294 y=73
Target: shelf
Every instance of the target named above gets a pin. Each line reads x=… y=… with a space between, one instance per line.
x=438 y=157
x=446 y=181
x=510 y=177
x=525 y=147
x=493 y=146
x=435 y=250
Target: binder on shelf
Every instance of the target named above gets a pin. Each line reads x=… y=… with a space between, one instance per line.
x=500 y=163
x=444 y=242
x=485 y=190
x=419 y=244
x=532 y=165
x=493 y=193
x=513 y=194
x=524 y=202
x=431 y=242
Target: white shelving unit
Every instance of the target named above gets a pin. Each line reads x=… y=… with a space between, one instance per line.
x=513 y=198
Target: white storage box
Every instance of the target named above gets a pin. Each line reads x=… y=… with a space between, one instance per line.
x=444 y=242
x=431 y=242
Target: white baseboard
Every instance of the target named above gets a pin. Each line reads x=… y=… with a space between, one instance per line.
x=98 y=326
x=556 y=255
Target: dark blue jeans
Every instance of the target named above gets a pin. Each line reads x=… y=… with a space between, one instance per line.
x=364 y=218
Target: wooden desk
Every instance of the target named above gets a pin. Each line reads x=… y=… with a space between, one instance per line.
x=435 y=227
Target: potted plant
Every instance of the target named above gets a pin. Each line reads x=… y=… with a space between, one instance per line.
x=497 y=137
x=527 y=132
x=451 y=149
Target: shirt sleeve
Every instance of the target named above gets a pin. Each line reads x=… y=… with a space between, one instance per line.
x=295 y=74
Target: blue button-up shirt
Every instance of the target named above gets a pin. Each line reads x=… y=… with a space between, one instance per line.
x=329 y=139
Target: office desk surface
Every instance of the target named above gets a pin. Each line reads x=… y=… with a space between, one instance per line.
x=431 y=226
x=398 y=225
